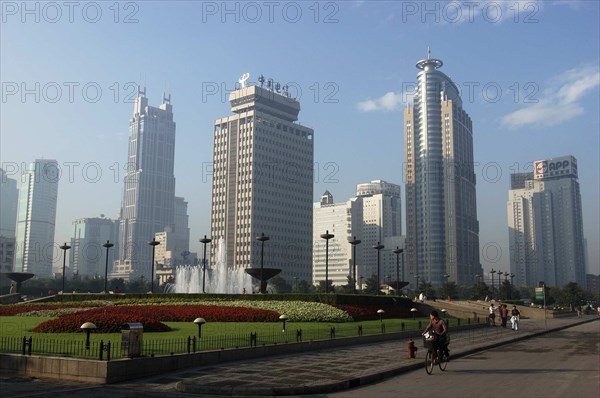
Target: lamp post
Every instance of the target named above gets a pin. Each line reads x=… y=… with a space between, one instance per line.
x=397 y=252
x=380 y=312
x=446 y=276
x=378 y=247
x=152 y=243
x=492 y=272
x=262 y=239
x=64 y=248
x=354 y=242
x=327 y=236
x=283 y=318
x=204 y=241
x=87 y=328
x=511 y=279
x=108 y=245
x=413 y=312
x=199 y=322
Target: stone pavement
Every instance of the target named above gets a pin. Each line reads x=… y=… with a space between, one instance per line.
x=310 y=373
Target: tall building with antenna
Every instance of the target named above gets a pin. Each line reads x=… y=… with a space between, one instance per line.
x=263 y=181
x=442 y=231
x=149 y=186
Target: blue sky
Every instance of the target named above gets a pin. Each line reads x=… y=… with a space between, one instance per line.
x=529 y=72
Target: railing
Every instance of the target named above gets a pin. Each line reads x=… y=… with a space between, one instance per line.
x=159 y=347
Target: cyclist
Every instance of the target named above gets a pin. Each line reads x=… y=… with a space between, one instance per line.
x=438 y=327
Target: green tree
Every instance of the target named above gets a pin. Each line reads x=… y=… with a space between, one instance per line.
x=303 y=287
x=372 y=285
x=449 y=289
x=480 y=291
x=348 y=287
x=571 y=295
x=280 y=285
x=320 y=288
x=504 y=291
x=427 y=289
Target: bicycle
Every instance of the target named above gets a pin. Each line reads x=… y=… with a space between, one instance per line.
x=433 y=357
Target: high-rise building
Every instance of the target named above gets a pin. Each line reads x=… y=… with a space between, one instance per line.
x=181 y=228
x=381 y=220
x=36 y=218
x=344 y=221
x=263 y=182
x=545 y=225
x=442 y=231
x=9 y=199
x=149 y=192
x=87 y=256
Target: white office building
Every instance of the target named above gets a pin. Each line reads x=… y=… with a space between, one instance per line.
x=263 y=182
x=36 y=218
x=545 y=225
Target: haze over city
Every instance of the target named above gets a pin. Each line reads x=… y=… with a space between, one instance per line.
x=528 y=73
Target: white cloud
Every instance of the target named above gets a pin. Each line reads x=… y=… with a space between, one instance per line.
x=388 y=102
x=561 y=99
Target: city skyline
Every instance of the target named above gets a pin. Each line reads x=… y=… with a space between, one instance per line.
x=353 y=89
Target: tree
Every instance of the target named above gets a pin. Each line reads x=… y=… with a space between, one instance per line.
x=348 y=287
x=303 y=287
x=449 y=289
x=320 y=288
x=480 y=291
x=372 y=285
x=504 y=291
x=571 y=295
x=427 y=289
x=280 y=285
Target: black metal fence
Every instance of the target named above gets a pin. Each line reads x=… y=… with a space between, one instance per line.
x=107 y=350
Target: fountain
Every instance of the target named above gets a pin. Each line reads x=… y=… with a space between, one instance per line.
x=220 y=279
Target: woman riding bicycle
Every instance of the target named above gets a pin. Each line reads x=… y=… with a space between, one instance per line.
x=439 y=329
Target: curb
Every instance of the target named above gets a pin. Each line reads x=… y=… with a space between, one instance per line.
x=190 y=386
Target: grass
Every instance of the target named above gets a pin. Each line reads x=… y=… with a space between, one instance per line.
x=20 y=326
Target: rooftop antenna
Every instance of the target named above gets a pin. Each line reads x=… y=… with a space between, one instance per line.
x=428 y=53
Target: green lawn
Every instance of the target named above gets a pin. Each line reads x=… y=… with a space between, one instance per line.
x=20 y=326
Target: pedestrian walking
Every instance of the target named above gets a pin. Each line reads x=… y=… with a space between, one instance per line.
x=492 y=316
x=503 y=314
x=13 y=288
x=515 y=318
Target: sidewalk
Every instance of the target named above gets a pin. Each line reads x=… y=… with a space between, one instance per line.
x=337 y=369
x=314 y=372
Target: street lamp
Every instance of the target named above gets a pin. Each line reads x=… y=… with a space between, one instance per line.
x=87 y=328
x=283 y=318
x=492 y=272
x=414 y=312
x=378 y=247
x=204 y=241
x=262 y=238
x=64 y=248
x=327 y=236
x=108 y=245
x=397 y=252
x=354 y=242
x=511 y=279
x=199 y=322
x=152 y=243
x=381 y=312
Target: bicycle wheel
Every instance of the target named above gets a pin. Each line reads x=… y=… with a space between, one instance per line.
x=429 y=362
x=442 y=360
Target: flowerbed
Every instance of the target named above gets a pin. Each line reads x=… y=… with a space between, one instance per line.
x=105 y=323
x=367 y=313
x=33 y=309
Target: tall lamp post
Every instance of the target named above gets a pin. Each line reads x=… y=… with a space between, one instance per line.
x=152 y=243
x=204 y=241
x=397 y=252
x=354 y=242
x=64 y=248
x=108 y=245
x=500 y=273
x=262 y=239
x=492 y=272
x=327 y=236
x=378 y=247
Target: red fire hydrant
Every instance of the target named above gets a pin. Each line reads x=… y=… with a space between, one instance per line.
x=412 y=349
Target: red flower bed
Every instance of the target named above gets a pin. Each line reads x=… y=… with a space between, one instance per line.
x=105 y=323
x=366 y=313
x=20 y=309
x=187 y=313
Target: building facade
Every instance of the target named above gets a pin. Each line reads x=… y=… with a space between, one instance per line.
x=36 y=218
x=9 y=199
x=263 y=182
x=149 y=191
x=442 y=230
x=344 y=221
x=87 y=256
x=545 y=225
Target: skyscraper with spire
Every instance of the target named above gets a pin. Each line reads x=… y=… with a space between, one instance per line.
x=149 y=186
x=442 y=231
